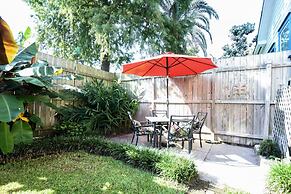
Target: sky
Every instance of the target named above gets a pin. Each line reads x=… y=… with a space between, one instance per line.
x=231 y=12
x=17 y=14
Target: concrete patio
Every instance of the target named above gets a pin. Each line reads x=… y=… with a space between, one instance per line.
x=222 y=164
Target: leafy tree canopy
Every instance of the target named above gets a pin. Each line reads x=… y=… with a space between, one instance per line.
x=106 y=31
x=239 y=46
x=94 y=31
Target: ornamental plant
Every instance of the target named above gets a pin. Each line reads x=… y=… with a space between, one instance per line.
x=279 y=178
x=101 y=107
x=23 y=79
x=269 y=148
x=68 y=128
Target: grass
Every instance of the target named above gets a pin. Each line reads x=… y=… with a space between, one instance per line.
x=80 y=173
x=229 y=190
x=279 y=179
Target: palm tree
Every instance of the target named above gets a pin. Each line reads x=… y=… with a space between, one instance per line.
x=186 y=22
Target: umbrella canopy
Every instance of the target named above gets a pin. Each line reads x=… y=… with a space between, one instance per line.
x=169 y=65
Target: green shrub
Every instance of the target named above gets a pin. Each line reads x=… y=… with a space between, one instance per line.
x=279 y=179
x=269 y=148
x=168 y=166
x=175 y=169
x=102 y=107
x=68 y=128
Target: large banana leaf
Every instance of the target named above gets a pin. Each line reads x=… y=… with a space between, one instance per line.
x=31 y=80
x=8 y=46
x=21 y=132
x=8 y=85
x=23 y=56
x=10 y=107
x=35 y=119
x=40 y=63
x=37 y=71
x=69 y=77
x=40 y=98
x=26 y=54
x=6 y=138
x=25 y=36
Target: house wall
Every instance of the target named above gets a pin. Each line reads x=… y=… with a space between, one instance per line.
x=273 y=15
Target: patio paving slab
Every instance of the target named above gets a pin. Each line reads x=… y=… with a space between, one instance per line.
x=221 y=164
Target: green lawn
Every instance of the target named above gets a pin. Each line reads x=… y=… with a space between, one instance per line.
x=80 y=173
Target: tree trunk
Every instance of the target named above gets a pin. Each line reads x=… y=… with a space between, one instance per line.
x=105 y=66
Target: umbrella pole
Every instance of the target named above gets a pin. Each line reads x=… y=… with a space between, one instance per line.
x=167 y=95
x=167 y=73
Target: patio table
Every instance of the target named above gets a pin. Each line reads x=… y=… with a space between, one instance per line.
x=156 y=121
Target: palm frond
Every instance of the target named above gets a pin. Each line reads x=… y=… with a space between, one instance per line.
x=184 y=17
x=202 y=6
x=199 y=39
x=205 y=28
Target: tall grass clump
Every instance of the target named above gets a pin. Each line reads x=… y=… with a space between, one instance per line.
x=279 y=179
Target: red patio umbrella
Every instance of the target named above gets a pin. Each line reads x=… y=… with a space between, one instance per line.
x=169 y=65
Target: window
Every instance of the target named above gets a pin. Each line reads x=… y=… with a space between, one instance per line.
x=285 y=34
x=272 y=49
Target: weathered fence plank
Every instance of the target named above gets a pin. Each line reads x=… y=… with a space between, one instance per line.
x=268 y=84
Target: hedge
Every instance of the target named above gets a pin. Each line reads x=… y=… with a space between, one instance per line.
x=161 y=163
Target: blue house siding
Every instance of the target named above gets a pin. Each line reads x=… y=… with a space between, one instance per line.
x=273 y=28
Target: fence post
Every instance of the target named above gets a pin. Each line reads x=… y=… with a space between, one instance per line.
x=212 y=119
x=268 y=77
x=154 y=93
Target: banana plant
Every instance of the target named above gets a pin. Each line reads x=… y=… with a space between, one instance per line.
x=23 y=79
x=24 y=36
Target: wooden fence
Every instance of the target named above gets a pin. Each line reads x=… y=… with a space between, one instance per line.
x=70 y=68
x=239 y=96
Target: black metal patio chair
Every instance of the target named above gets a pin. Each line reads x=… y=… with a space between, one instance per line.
x=159 y=113
x=140 y=129
x=180 y=128
x=198 y=124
